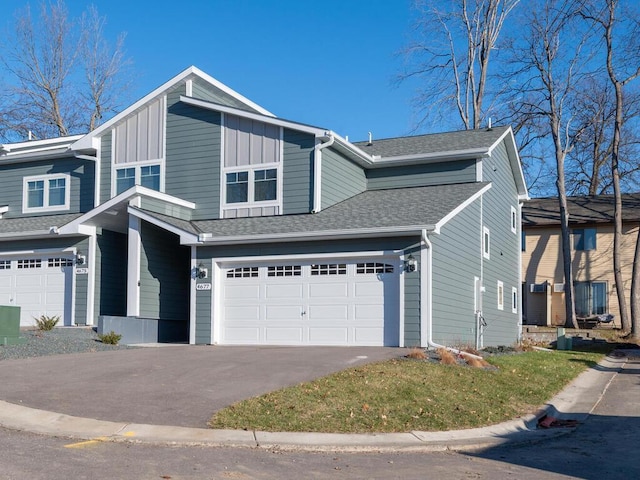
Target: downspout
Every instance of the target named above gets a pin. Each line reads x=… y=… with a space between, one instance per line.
x=426 y=279
x=317 y=169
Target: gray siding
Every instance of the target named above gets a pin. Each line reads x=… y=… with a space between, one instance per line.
x=105 y=167
x=59 y=243
x=81 y=188
x=456 y=261
x=164 y=208
x=412 y=302
x=502 y=328
x=164 y=275
x=442 y=173
x=341 y=178
x=111 y=274
x=297 y=172
x=203 y=307
x=204 y=91
x=193 y=157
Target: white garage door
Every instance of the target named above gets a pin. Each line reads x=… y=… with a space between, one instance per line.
x=347 y=303
x=38 y=285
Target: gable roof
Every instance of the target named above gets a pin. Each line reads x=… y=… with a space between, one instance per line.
x=34 y=226
x=86 y=142
x=582 y=210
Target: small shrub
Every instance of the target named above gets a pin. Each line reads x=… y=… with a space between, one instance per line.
x=417 y=353
x=111 y=338
x=476 y=362
x=47 y=323
x=446 y=357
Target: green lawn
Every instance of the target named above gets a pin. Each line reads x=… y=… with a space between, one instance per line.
x=403 y=394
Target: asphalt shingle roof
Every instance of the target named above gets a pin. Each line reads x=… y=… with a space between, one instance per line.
x=582 y=210
x=35 y=224
x=433 y=143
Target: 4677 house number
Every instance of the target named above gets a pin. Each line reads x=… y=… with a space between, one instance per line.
x=203 y=286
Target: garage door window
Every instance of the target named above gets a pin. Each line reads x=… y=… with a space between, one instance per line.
x=30 y=263
x=60 y=262
x=284 y=271
x=374 y=268
x=243 y=272
x=5 y=264
x=329 y=269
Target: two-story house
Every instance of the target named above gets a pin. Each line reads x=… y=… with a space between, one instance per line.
x=196 y=215
x=592 y=227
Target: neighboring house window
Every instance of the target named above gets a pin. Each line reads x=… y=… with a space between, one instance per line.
x=46 y=193
x=591 y=298
x=523 y=236
x=486 y=242
x=514 y=299
x=500 y=295
x=145 y=175
x=584 y=239
x=514 y=220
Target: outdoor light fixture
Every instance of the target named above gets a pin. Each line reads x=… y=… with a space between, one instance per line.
x=200 y=271
x=80 y=259
x=411 y=264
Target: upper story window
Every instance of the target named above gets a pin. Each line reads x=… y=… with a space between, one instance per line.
x=252 y=168
x=514 y=220
x=500 y=295
x=138 y=149
x=486 y=243
x=45 y=193
x=584 y=239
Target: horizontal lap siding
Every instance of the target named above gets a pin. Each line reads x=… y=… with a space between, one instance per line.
x=421 y=175
x=456 y=261
x=193 y=157
x=341 y=178
x=502 y=325
x=81 y=188
x=297 y=172
x=204 y=91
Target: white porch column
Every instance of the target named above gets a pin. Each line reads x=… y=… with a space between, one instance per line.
x=133 y=267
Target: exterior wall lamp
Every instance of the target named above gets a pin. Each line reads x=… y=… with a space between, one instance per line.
x=81 y=259
x=200 y=271
x=411 y=264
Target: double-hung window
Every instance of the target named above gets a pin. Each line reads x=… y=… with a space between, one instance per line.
x=584 y=239
x=144 y=175
x=45 y=193
x=591 y=298
x=252 y=186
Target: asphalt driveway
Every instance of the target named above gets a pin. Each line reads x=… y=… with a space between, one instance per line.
x=170 y=385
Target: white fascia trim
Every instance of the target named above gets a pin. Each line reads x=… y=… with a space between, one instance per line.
x=461 y=207
x=135 y=191
x=319 y=235
x=31 y=234
x=40 y=145
x=134 y=250
x=192 y=297
x=271 y=120
x=430 y=157
x=87 y=141
x=91 y=287
x=308 y=256
x=41 y=251
x=186 y=238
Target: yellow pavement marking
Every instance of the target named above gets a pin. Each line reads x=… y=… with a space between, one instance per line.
x=86 y=443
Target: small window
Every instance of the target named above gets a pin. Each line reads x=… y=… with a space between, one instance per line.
x=514 y=220
x=514 y=300
x=59 y=262
x=374 y=268
x=57 y=188
x=46 y=193
x=523 y=237
x=150 y=177
x=584 y=239
x=329 y=269
x=265 y=185
x=284 y=271
x=486 y=243
x=30 y=263
x=237 y=187
x=144 y=175
x=243 y=272
x=125 y=179
x=5 y=264
x=500 y=295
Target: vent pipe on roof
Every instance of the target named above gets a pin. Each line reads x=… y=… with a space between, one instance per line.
x=489 y=126
x=370 y=139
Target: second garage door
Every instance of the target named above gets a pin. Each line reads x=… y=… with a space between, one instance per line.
x=344 y=303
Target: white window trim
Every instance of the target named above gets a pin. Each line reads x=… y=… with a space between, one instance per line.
x=514 y=300
x=46 y=207
x=486 y=246
x=251 y=203
x=500 y=295
x=514 y=220
x=120 y=166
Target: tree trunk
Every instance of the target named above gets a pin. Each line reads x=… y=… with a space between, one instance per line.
x=635 y=292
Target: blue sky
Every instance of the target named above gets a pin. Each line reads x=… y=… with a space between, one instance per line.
x=328 y=63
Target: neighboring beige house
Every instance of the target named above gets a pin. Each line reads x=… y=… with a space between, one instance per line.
x=591 y=222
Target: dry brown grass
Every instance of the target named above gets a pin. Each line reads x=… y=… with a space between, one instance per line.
x=446 y=357
x=476 y=362
x=417 y=353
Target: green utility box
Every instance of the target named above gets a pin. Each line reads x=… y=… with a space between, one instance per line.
x=563 y=342
x=10 y=326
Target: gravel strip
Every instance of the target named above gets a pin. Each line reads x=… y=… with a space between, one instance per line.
x=57 y=341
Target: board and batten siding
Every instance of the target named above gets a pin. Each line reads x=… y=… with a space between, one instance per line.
x=297 y=174
x=82 y=183
x=105 y=166
x=51 y=245
x=503 y=264
x=110 y=267
x=164 y=275
x=341 y=178
x=456 y=261
x=440 y=173
x=192 y=166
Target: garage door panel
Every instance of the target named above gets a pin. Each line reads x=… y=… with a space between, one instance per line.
x=242 y=313
x=288 y=290
x=242 y=335
x=369 y=289
x=242 y=291
x=329 y=290
x=368 y=336
x=276 y=313
x=330 y=313
x=284 y=335
x=29 y=281
x=328 y=335
x=369 y=312
x=6 y=281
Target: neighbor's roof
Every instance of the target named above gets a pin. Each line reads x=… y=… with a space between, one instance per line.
x=464 y=140
x=582 y=210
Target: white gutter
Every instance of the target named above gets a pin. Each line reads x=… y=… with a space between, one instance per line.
x=317 y=170
x=426 y=296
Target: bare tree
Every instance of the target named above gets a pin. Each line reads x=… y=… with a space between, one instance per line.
x=45 y=57
x=453 y=57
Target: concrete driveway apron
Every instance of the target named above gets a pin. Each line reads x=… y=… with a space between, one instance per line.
x=172 y=385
